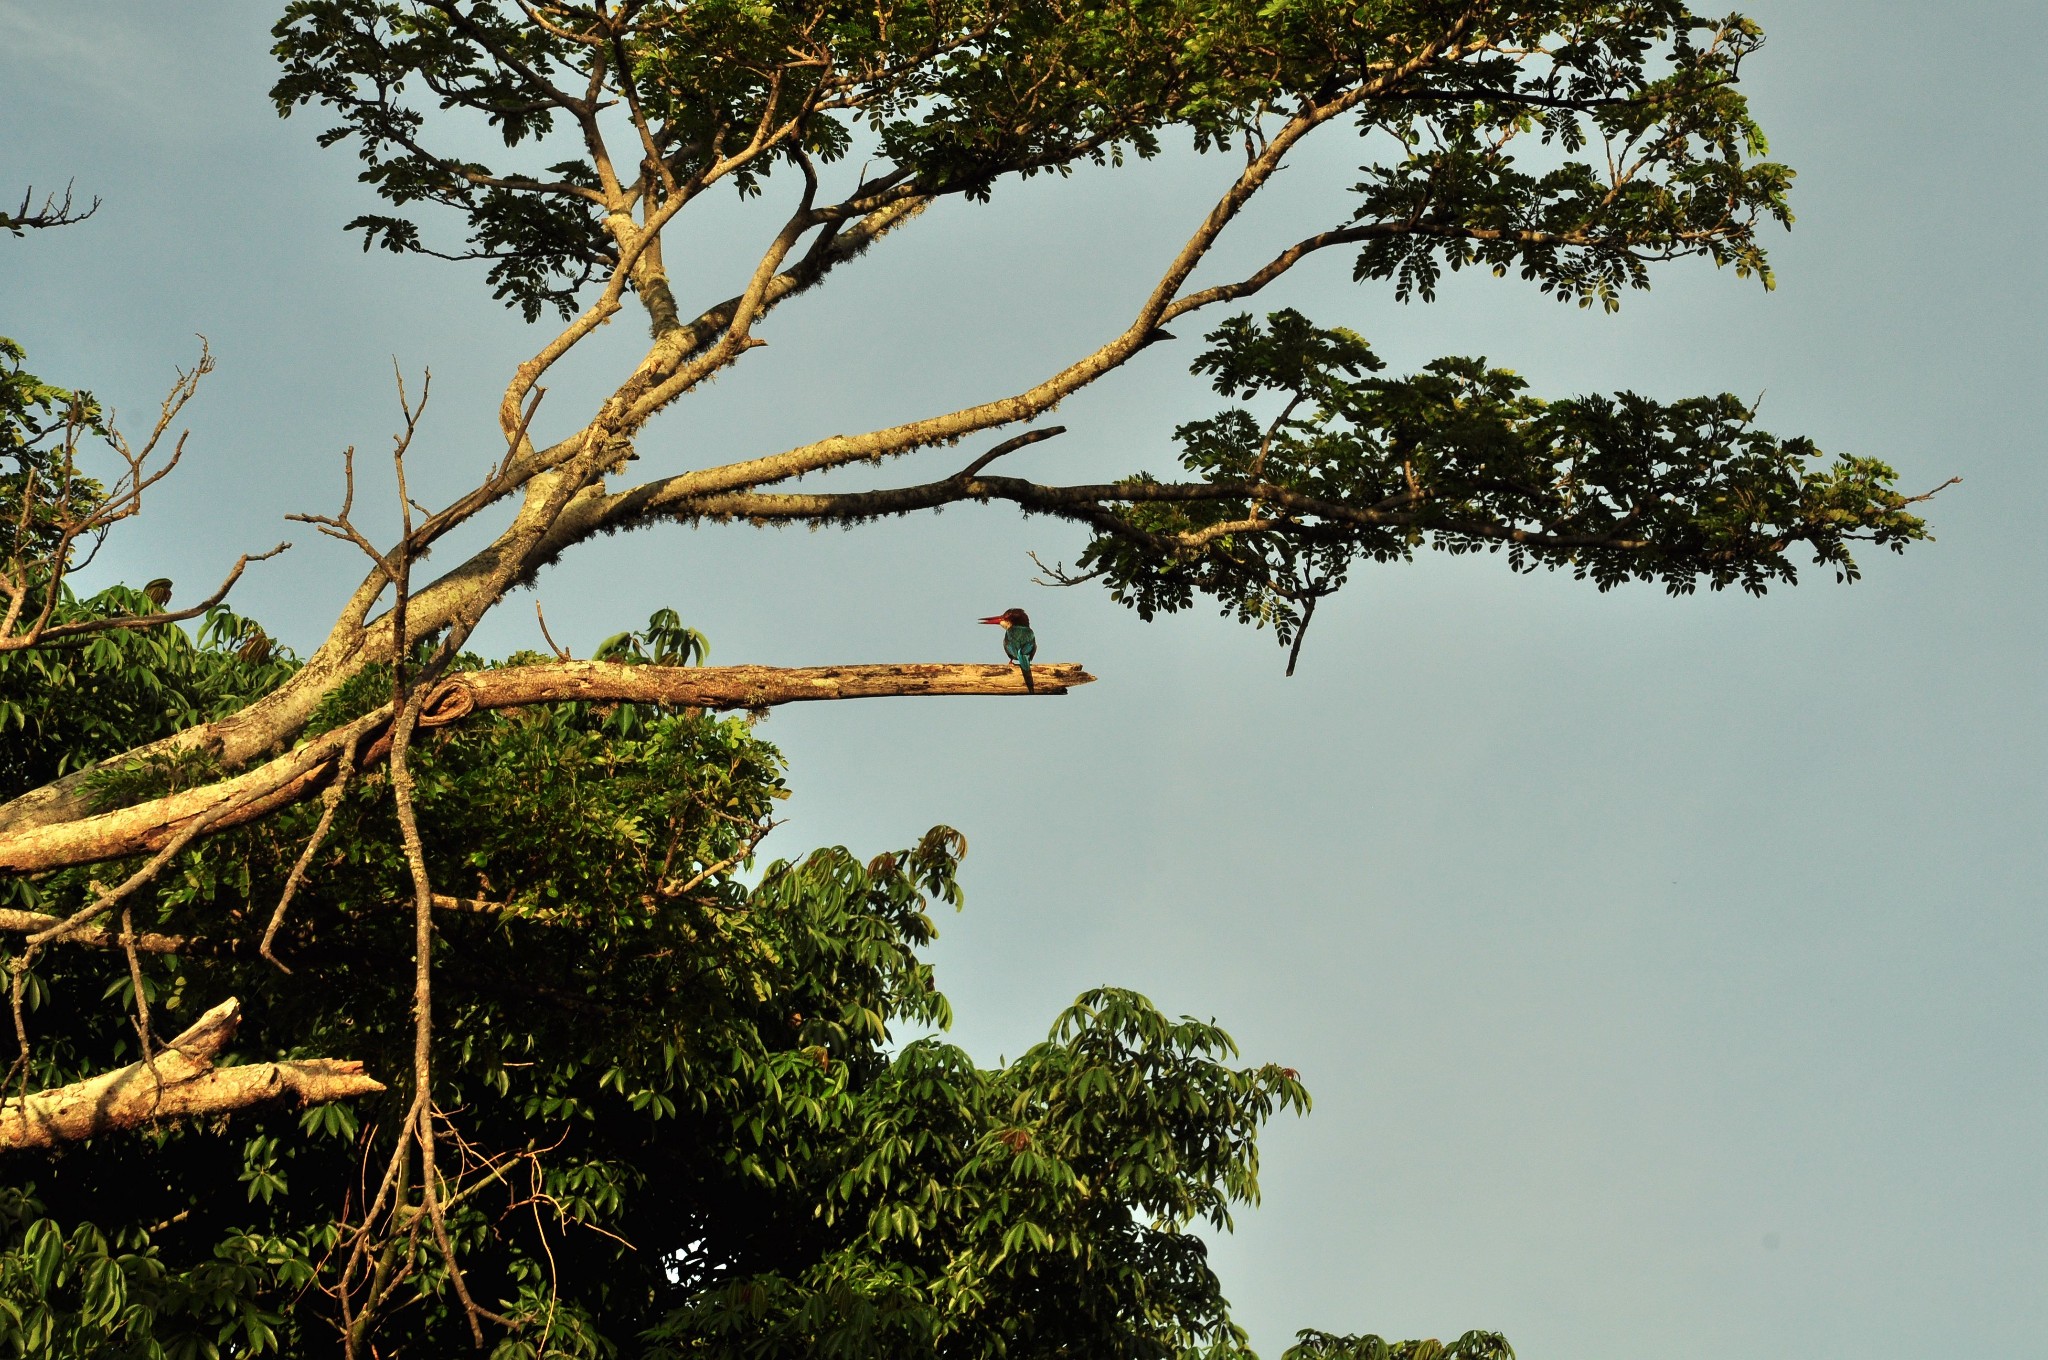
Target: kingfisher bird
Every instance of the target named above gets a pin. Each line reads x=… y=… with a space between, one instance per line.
x=1020 y=644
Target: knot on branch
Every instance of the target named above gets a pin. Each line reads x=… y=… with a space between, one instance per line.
x=448 y=702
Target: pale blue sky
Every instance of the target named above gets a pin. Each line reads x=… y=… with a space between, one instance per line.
x=1668 y=973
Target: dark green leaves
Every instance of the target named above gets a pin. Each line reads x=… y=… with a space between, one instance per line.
x=1035 y=1209
x=664 y=642
x=1671 y=171
x=369 y=60
x=1314 y=1345
x=68 y=704
x=91 y=1294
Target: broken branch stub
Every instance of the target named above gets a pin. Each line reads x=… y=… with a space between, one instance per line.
x=184 y=1083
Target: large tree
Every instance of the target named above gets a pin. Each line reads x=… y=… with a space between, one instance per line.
x=1575 y=144
x=680 y=1126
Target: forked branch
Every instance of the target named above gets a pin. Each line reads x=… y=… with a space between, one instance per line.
x=52 y=212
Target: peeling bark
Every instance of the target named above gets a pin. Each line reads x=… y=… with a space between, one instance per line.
x=184 y=1083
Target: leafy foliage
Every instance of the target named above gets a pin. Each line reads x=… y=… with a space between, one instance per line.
x=951 y=96
x=1356 y=466
x=681 y=1119
x=67 y=705
x=688 y=1125
x=40 y=424
x=1573 y=143
x=1471 y=1346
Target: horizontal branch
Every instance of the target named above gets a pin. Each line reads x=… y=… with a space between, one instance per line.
x=1089 y=504
x=182 y=1082
x=150 y=826
x=751 y=686
x=42 y=633
x=97 y=937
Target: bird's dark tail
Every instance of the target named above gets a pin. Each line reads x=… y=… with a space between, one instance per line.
x=1029 y=688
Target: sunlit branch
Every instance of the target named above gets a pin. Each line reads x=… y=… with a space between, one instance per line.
x=180 y=1082
x=303 y=772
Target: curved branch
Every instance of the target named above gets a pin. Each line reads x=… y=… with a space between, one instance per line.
x=876 y=445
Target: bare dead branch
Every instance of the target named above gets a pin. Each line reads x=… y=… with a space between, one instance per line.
x=54 y=212
x=50 y=524
x=301 y=773
x=127 y=622
x=185 y=1083
x=135 y=981
x=561 y=652
x=330 y=799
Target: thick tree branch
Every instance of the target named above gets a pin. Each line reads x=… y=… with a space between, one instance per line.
x=184 y=1083
x=556 y=510
x=87 y=838
x=876 y=445
x=1087 y=503
x=300 y=774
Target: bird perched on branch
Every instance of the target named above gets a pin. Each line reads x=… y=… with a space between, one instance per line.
x=158 y=592
x=1020 y=644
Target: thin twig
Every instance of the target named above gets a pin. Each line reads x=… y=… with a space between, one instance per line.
x=330 y=799
x=1308 y=612
x=141 y=1001
x=561 y=652
x=1011 y=445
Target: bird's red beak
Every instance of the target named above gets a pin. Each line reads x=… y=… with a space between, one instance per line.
x=997 y=619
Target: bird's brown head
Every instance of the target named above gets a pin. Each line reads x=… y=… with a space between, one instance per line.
x=1010 y=618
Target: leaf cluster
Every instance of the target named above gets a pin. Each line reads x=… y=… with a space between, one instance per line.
x=1314 y=1345
x=1358 y=466
x=93 y=1295
x=1676 y=169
